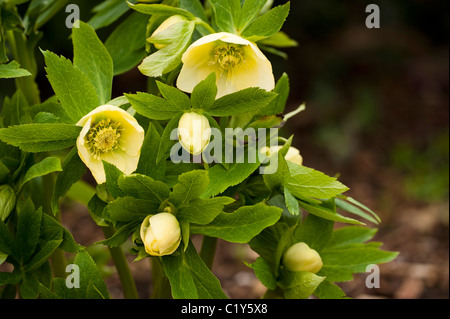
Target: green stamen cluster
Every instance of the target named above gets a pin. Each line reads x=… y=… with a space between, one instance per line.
x=228 y=56
x=103 y=137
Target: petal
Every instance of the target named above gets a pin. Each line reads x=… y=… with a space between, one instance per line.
x=123 y=161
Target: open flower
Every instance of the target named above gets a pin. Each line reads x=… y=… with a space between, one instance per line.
x=292 y=155
x=160 y=234
x=194 y=132
x=237 y=62
x=299 y=257
x=112 y=135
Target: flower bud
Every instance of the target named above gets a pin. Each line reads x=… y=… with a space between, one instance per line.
x=169 y=22
x=194 y=132
x=299 y=257
x=160 y=234
x=292 y=155
x=7 y=201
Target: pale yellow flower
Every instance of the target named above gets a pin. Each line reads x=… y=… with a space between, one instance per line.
x=292 y=155
x=237 y=62
x=112 y=135
x=299 y=257
x=160 y=234
x=194 y=132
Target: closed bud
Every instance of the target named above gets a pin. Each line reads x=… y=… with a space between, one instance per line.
x=292 y=155
x=299 y=257
x=160 y=234
x=194 y=132
x=7 y=201
x=157 y=37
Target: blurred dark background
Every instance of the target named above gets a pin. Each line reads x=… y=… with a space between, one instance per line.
x=376 y=115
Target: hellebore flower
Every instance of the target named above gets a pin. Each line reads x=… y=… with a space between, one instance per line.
x=299 y=257
x=292 y=155
x=237 y=62
x=112 y=135
x=160 y=234
x=194 y=132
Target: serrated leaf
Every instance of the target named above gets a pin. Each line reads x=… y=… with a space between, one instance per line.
x=46 y=166
x=291 y=202
x=107 y=12
x=89 y=273
x=121 y=234
x=72 y=87
x=243 y=101
x=12 y=70
x=267 y=24
x=227 y=14
x=190 y=186
x=126 y=209
x=203 y=211
x=91 y=57
x=327 y=213
x=278 y=104
x=299 y=284
x=242 y=225
x=307 y=182
x=264 y=273
x=328 y=290
x=204 y=93
x=28 y=231
x=40 y=137
x=153 y=9
x=189 y=277
x=351 y=235
x=148 y=164
x=73 y=170
x=152 y=106
x=143 y=187
x=177 y=98
x=29 y=287
x=112 y=174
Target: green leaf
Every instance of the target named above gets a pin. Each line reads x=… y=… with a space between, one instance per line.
x=277 y=180
x=96 y=207
x=267 y=24
x=341 y=262
x=316 y=232
x=190 y=186
x=89 y=273
x=153 y=9
x=352 y=206
x=227 y=14
x=166 y=142
x=46 y=166
x=168 y=58
x=177 y=98
x=107 y=12
x=291 y=202
x=143 y=187
x=29 y=287
x=7 y=241
x=242 y=225
x=299 y=284
x=195 y=7
x=277 y=105
x=279 y=40
x=307 y=182
x=43 y=254
x=72 y=87
x=351 y=235
x=122 y=234
x=147 y=164
x=204 y=93
x=126 y=44
x=40 y=137
x=152 y=106
x=127 y=209
x=250 y=10
x=243 y=101
x=203 y=211
x=12 y=70
x=91 y=57
x=112 y=174
x=264 y=273
x=328 y=290
x=189 y=277
x=220 y=178
x=28 y=231
x=327 y=213
x=73 y=170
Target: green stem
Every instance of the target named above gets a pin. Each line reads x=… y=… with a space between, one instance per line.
x=121 y=263
x=208 y=250
x=161 y=285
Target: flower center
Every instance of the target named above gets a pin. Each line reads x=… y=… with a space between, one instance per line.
x=228 y=56
x=103 y=137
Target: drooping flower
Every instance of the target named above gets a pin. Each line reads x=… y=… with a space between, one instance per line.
x=299 y=257
x=112 y=135
x=160 y=234
x=237 y=63
x=194 y=132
